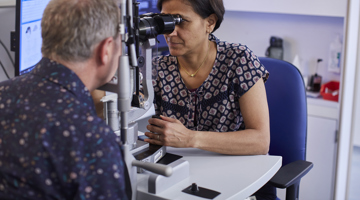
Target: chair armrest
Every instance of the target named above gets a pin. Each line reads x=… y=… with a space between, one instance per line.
x=291 y=173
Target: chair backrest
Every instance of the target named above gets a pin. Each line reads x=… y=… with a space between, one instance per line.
x=286 y=96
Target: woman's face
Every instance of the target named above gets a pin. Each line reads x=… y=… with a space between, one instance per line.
x=191 y=35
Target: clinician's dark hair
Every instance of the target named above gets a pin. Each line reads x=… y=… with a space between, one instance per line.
x=204 y=8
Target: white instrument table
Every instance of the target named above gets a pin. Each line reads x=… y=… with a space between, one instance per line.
x=235 y=177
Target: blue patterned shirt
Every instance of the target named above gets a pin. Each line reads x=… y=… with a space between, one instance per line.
x=52 y=144
x=216 y=102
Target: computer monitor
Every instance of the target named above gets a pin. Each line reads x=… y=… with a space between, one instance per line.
x=28 y=32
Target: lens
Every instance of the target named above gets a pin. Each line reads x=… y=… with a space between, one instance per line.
x=178 y=19
x=151 y=25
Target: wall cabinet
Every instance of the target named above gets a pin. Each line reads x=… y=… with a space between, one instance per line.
x=333 y=8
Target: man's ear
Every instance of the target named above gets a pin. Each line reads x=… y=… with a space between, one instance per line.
x=105 y=51
x=211 y=22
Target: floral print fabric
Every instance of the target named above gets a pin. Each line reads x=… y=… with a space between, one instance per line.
x=235 y=71
x=52 y=144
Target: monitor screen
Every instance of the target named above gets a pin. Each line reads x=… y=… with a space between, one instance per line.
x=147 y=6
x=28 y=32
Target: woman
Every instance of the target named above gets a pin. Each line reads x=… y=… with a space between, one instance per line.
x=210 y=94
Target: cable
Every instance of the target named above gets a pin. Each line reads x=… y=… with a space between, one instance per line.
x=2 y=66
x=8 y=53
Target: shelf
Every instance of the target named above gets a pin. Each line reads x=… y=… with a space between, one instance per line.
x=330 y=8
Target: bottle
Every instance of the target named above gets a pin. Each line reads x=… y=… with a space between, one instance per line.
x=335 y=55
x=275 y=50
x=314 y=84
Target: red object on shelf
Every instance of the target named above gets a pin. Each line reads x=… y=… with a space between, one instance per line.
x=330 y=91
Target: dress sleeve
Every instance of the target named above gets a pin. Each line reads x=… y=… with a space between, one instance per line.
x=248 y=70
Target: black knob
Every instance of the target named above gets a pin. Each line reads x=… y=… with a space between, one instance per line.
x=194 y=187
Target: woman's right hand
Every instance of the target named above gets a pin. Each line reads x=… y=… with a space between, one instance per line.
x=169 y=132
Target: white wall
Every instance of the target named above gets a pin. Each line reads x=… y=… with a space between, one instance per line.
x=7 y=24
x=309 y=37
x=347 y=99
x=7 y=3
x=356 y=114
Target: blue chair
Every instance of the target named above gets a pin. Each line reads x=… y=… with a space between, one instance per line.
x=286 y=96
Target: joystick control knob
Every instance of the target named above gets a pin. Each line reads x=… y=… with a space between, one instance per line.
x=194 y=187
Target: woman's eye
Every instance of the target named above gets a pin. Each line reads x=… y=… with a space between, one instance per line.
x=183 y=22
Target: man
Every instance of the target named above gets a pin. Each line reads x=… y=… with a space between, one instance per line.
x=52 y=144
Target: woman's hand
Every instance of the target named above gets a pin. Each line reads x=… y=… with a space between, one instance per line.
x=169 y=132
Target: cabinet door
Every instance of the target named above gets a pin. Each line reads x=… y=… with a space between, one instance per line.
x=321 y=151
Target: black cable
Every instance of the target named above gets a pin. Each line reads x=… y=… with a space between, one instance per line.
x=2 y=66
x=8 y=53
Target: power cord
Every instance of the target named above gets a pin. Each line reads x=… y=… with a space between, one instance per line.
x=2 y=66
x=12 y=61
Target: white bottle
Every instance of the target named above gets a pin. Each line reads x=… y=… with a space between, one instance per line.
x=335 y=55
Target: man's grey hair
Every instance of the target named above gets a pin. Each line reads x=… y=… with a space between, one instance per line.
x=71 y=29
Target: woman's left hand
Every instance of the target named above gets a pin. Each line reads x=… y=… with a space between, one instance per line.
x=169 y=132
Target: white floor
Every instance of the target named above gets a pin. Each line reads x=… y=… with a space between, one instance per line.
x=354 y=187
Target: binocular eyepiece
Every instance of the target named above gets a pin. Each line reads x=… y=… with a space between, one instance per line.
x=153 y=24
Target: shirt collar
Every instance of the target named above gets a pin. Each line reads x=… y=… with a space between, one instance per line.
x=61 y=75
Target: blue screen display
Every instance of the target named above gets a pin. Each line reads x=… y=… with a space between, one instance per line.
x=146 y=6
x=30 y=33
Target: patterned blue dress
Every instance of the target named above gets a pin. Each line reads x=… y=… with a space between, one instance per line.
x=214 y=106
x=52 y=144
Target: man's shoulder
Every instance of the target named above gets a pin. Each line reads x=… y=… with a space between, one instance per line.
x=16 y=86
